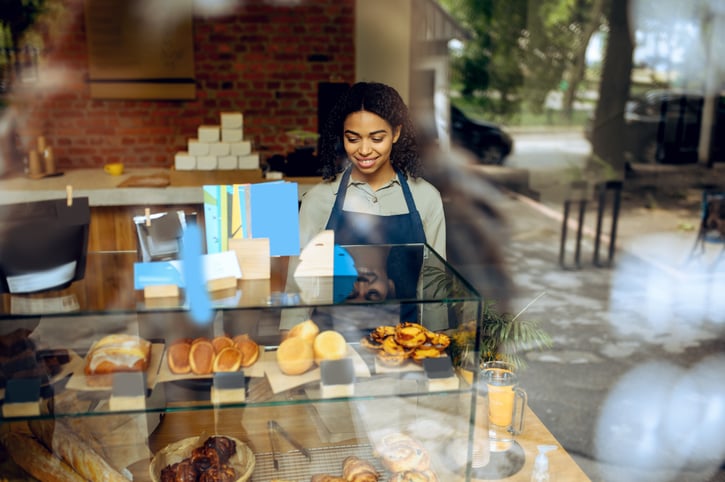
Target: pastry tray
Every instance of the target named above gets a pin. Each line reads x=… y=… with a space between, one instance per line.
x=293 y=466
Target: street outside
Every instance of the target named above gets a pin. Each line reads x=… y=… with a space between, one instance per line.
x=624 y=336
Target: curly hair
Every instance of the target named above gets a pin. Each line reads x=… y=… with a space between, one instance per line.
x=382 y=100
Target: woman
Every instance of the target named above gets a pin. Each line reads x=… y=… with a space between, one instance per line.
x=372 y=191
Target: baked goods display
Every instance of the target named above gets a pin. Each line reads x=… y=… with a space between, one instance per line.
x=394 y=345
x=115 y=354
x=329 y=345
x=204 y=356
x=217 y=458
x=20 y=358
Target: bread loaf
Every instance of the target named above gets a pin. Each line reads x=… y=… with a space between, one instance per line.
x=31 y=456
x=118 y=353
x=221 y=342
x=295 y=356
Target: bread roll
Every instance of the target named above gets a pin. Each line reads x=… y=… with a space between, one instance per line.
x=307 y=330
x=201 y=357
x=329 y=345
x=249 y=349
x=295 y=356
x=36 y=460
x=177 y=357
x=229 y=359
x=221 y=342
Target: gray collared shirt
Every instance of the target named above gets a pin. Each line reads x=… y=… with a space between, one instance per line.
x=386 y=201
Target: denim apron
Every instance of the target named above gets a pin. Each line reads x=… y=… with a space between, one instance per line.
x=404 y=263
x=360 y=228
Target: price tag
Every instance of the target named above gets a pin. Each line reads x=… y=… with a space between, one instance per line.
x=22 y=397
x=129 y=391
x=228 y=387
x=337 y=378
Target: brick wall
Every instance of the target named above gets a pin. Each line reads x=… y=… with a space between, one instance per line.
x=263 y=60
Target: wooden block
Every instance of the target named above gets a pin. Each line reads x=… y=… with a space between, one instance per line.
x=253 y=257
x=198 y=148
x=227 y=162
x=219 y=149
x=221 y=283
x=22 y=398
x=184 y=161
x=240 y=148
x=232 y=120
x=250 y=161
x=206 y=163
x=317 y=258
x=128 y=392
x=161 y=291
x=209 y=133
x=228 y=387
x=337 y=378
x=440 y=374
x=232 y=135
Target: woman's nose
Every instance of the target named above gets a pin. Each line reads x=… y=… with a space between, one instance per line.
x=365 y=147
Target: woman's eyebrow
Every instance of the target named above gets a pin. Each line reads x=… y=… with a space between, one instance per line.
x=373 y=133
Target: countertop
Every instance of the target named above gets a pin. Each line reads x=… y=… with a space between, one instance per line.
x=103 y=189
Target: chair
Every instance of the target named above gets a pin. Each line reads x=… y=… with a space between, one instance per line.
x=712 y=223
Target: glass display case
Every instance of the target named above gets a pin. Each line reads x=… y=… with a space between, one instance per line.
x=382 y=368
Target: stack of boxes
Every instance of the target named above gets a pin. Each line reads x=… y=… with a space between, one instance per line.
x=219 y=147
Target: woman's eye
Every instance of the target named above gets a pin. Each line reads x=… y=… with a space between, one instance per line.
x=378 y=139
x=352 y=139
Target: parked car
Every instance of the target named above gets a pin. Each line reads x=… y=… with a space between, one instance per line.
x=663 y=126
x=488 y=141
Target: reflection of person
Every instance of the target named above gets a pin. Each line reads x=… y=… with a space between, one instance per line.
x=372 y=282
x=372 y=191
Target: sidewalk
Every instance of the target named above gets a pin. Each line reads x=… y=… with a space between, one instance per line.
x=651 y=306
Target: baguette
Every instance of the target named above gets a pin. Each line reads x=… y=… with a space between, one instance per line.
x=31 y=456
x=75 y=451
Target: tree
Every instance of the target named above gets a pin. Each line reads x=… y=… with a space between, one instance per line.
x=608 y=129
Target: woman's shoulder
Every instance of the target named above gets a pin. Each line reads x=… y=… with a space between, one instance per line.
x=420 y=186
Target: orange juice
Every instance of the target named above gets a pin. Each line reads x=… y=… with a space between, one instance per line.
x=500 y=404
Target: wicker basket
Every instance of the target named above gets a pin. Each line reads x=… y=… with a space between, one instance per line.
x=243 y=460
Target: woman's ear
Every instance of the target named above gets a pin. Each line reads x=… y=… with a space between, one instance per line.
x=396 y=133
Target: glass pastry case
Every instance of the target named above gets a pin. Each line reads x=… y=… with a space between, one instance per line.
x=371 y=370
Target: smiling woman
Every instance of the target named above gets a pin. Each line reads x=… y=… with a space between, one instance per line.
x=379 y=196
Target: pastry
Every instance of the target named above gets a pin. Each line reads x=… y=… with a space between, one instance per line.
x=329 y=345
x=358 y=470
x=249 y=349
x=327 y=478
x=209 y=462
x=400 y=452
x=410 y=335
x=221 y=342
x=177 y=357
x=295 y=356
x=414 y=476
x=201 y=357
x=31 y=456
x=307 y=330
x=229 y=359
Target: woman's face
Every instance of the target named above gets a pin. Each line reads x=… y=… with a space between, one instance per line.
x=368 y=140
